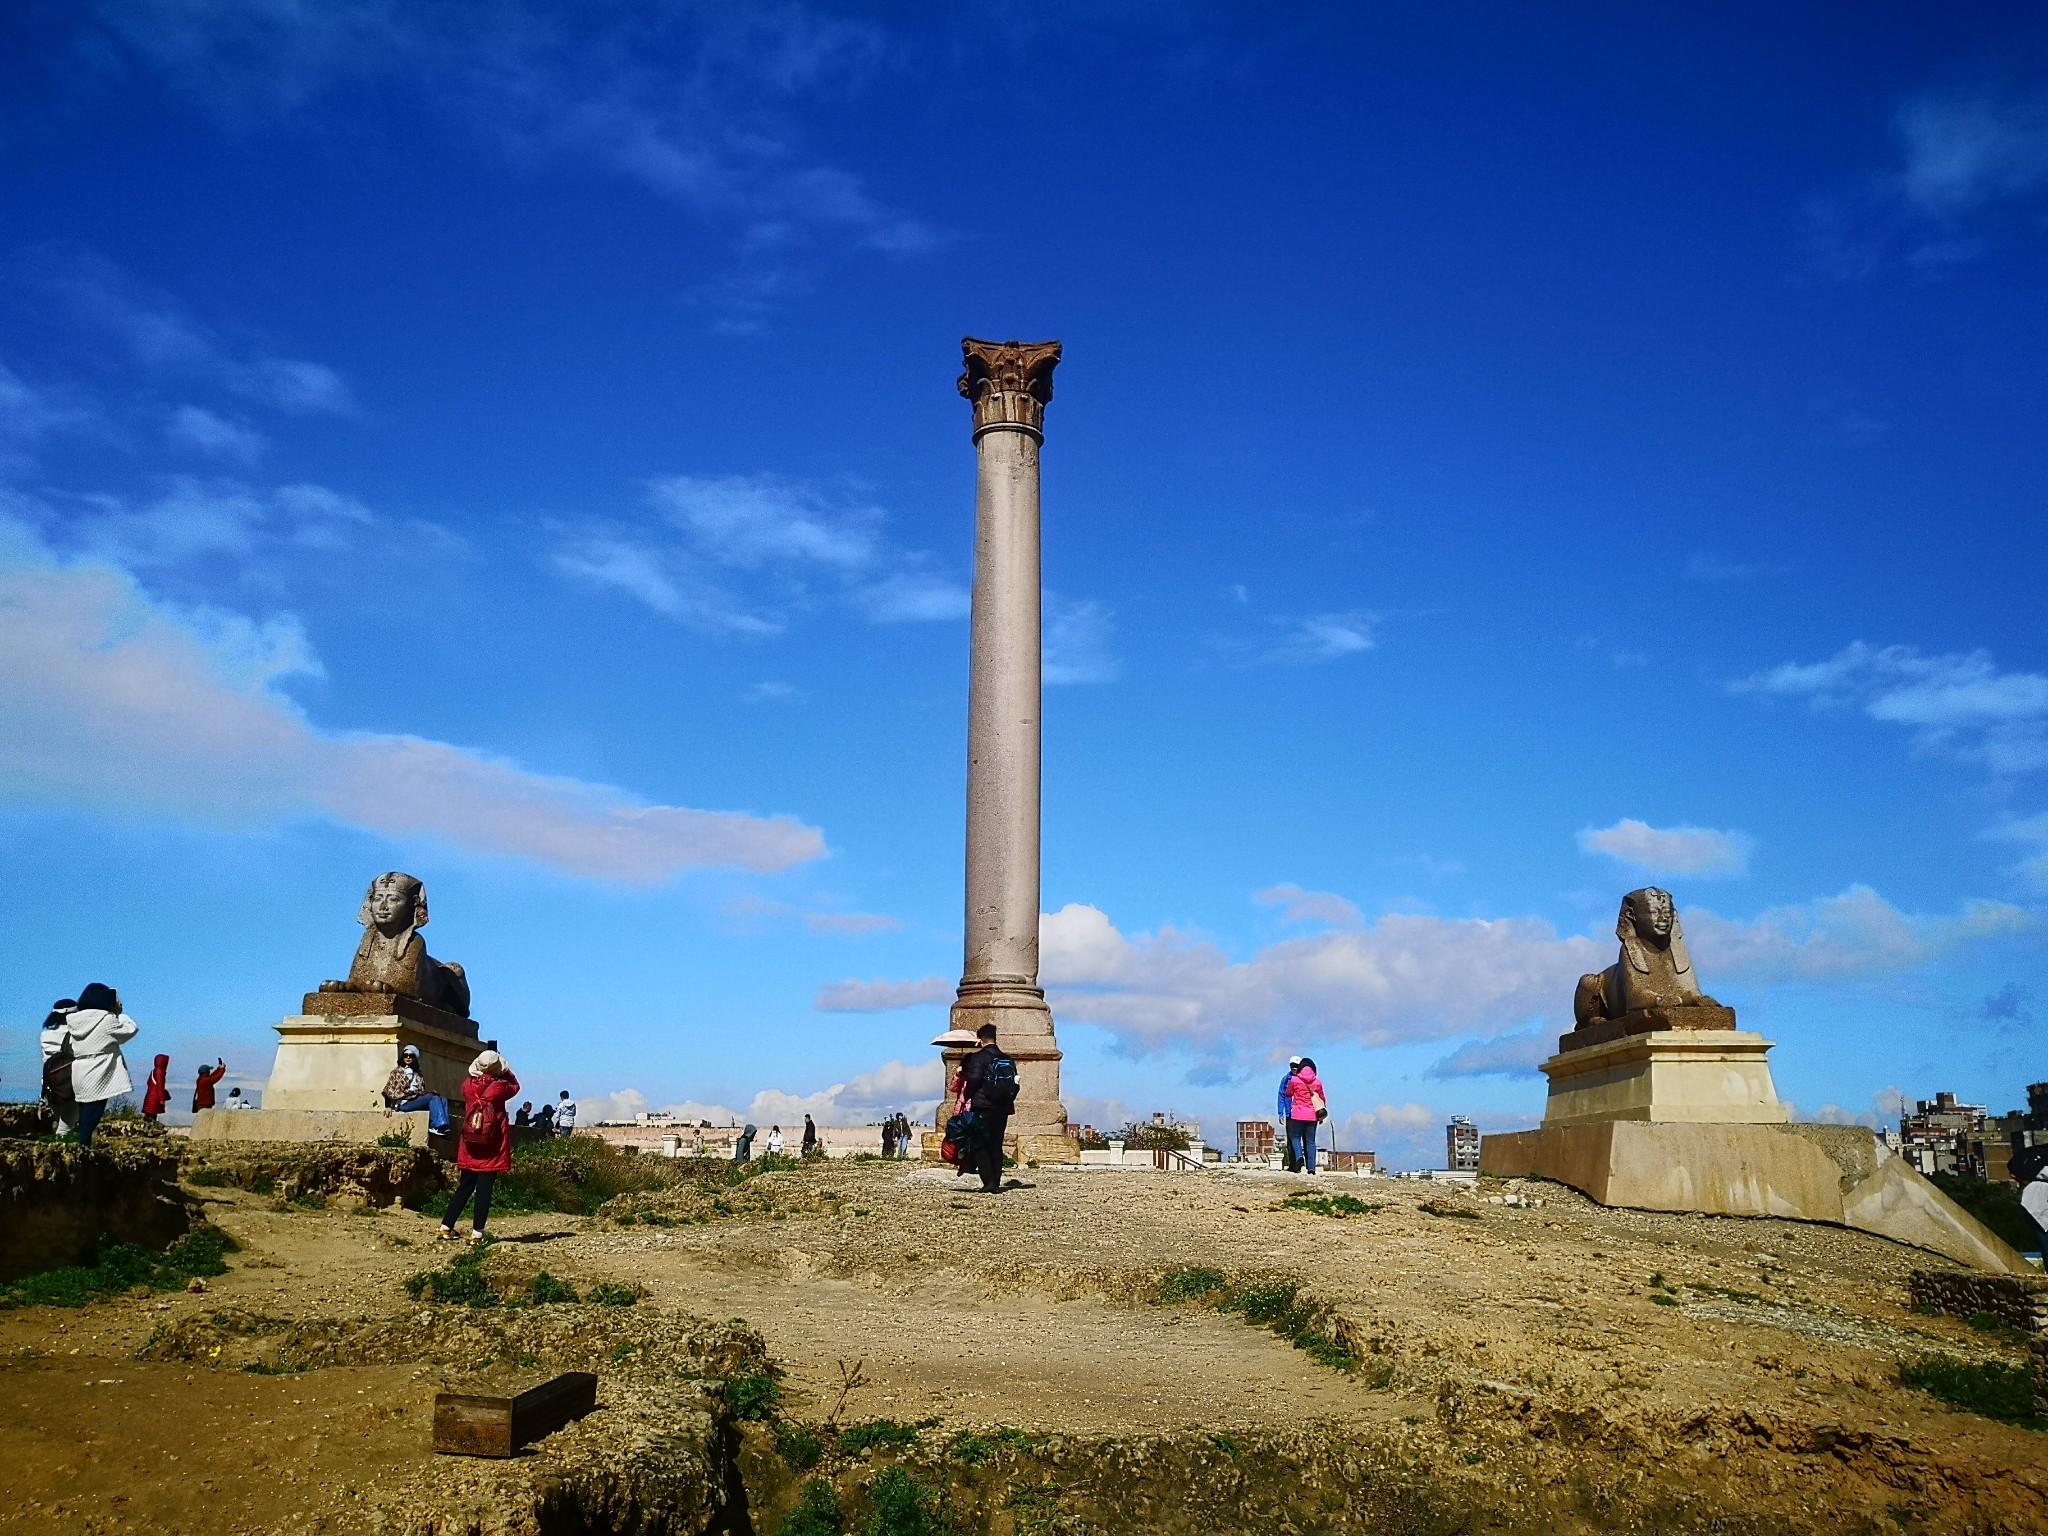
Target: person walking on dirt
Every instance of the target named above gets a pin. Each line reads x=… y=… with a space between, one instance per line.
x=483 y=1150
x=889 y=1137
x=94 y=1031
x=1306 y=1108
x=156 y=1093
x=203 y=1084
x=810 y=1145
x=743 y=1149
x=990 y=1082
x=1285 y=1110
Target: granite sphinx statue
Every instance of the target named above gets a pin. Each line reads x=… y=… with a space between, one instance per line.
x=393 y=957
x=1654 y=970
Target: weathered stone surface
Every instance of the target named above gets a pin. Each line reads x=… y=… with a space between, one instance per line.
x=373 y=1005
x=1647 y=1021
x=328 y=1062
x=269 y=1126
x=1842 y=1175
x=2019 y=1300
x=58 y=1201
x=347 y=1173
x=1690 y=1075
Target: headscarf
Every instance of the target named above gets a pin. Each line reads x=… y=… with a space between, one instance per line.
x=60 y=1012
x=99 y=995
x=489 y=1063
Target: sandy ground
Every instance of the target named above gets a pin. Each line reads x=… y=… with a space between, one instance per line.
x=1530 y=1335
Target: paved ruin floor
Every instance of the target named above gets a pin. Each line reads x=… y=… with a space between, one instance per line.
x=1526 y=1346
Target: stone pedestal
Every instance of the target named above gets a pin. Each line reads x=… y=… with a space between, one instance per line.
x=1700 y=1076
x=1009 y=384
x=327 y=1081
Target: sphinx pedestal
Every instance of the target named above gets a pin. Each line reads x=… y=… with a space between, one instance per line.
x=1671 y=1111
x=327 y=1080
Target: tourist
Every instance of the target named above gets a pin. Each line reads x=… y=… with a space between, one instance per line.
x=902 y=1134
x=565 y=1115
x=94 y=1031
x=405 y=1091
x=1306 y=1108
x=484 y=1149
x=236 y=1101
x=156 y=1093
x=743 y=1149
x=1286 y=1112
x=56 y=1044
x=524 y=1118
x=774 y=1141
x=544 y=1120
x=810 y=1146
x=203 y=1084
x=990 y=1081
x=889 y=1137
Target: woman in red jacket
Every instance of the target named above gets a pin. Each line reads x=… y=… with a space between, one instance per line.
x=484 y=1144
x=157 y=1093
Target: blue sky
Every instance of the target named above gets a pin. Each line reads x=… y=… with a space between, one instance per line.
x=1500 y=459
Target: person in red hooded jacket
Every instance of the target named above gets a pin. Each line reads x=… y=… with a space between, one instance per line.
x=483 y=1141
x=156 y=1093
x=203 y=1085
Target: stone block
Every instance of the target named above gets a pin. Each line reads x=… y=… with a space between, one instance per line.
x=340 y=1061
x=2022 y=1302
x=1695 y=1075
x=1841 y=1175
x=361 y=1126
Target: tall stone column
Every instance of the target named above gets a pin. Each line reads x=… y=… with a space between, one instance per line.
x=1008 y=384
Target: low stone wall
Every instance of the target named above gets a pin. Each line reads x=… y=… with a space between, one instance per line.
x=340 y=1171
x=57 y=1201
x=2010 y=1298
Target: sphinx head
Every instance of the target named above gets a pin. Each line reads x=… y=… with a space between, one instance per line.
x=1648 y=921
x=394 y=903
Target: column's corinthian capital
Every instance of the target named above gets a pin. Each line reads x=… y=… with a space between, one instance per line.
x=1009 y=382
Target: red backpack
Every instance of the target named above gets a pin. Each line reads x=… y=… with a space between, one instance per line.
x=483 y=1127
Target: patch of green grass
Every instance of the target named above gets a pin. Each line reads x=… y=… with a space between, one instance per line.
x=2004 y=1392
x=207 y=1178
x=1998 y=1328
x=1189 y=1284
x=572 y=1174
x=1035 y=1506
x=816 y=1513
x=798 y=1445
x=310 y=1200
x=120 y=1267
x=621 y=1353
x=752 y=1398
x=857 y=1439
x=462 y=1283
x=1329 y=1205
x=544 y=1289
x=395 y=1139
x=278 y=1367
x=263 y=1184
x=609 y=1293
x=1996 y=1205
x=973 y=1449
x=1659 y=1299
x=1224 y=1443
x=1438 y=1208
x=1657 y=1281
x=900 y=1505
x=1717 y=1290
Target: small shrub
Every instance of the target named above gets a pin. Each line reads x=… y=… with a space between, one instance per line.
x=798 y=1445
x=278 y=1367
x=207 y=1178
x=903 y=1506
x=1657 y=1281
x=1329 y=1205
x=544 y=1289
x=263 y=1184
x=856 y=1439
x=1438 y=1208
x=1976 y=1386
x=309 y=1200
x=1997 y=1205
x=1188 y=1284
x=609 y=1293
x=395 y=1139
x=1224 y=1443
x=122 y=1267
x=816 y=1513
x=752 y=1398
x=1998 y=1328
x=1659 y=1299
x=462 y=1283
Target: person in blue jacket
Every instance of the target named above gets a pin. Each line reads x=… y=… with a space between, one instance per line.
x=1286 y=1108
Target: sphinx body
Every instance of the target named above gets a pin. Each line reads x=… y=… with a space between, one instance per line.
x=1654 y=970
x=393 y=957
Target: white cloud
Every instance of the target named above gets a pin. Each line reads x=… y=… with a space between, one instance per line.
x=851 y=922
x=882 y=996
x=188 y=723
x=1402 y=1135
x=742 y=553
x=202 y=431
x=1311 y=906
x=1957 y=702
x=1699 y=851
x=1324 y=637
x=2030 y=832
x=912 y=1087
x=30 y=412
x=1837 y=938
x=1077 y=643
x=190 y=518
x=1515 y=1055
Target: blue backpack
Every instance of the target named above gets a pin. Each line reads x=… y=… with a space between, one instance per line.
x=1001 y=1084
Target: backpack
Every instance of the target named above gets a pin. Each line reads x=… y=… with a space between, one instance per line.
x=483 y=1128
x=1001 y=1084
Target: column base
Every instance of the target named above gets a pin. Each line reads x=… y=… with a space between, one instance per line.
x=1024 y=1032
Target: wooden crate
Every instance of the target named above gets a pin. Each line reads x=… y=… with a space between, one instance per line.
x=465 y=1425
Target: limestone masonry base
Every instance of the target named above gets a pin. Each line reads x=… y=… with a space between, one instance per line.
x=1718 y=1076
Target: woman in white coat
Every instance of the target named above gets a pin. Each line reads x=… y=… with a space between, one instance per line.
x=94 y=1030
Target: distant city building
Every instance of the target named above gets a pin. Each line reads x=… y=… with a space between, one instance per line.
x=1461 y=1145
x=1257 y=1141
x=1942 y=1136
x=1349 y=1162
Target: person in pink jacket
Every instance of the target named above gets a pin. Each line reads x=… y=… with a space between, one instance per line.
x=1306 y=1107
x=484 y=1146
